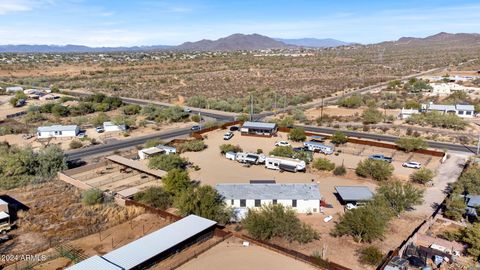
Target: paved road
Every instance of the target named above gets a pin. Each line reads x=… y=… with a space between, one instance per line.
x=126 y=143
x=392 y=139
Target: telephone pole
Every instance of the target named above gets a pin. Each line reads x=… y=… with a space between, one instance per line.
x=321 y=113
x=251 y=107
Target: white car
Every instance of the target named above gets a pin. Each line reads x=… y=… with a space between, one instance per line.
x=227 y=136
x=282 y=143
x=412 y=165
x=351 y=206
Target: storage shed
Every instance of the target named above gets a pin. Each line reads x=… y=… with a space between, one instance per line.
x=110 y=126
x=259 y=129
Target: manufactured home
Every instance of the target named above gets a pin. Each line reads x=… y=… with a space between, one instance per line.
x=110 y=127
x=304 y=198
x=57 y=131
x=461 y=110
x=319 y=147
x=259 y=129
x=285 y=164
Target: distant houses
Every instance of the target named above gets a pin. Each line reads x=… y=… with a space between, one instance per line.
x=57 y=131
x=303 y=198
x=445 y=89
x=466 y=111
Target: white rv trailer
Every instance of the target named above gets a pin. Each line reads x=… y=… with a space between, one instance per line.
x=252 y=158
x=319 y=147
x=285 y=164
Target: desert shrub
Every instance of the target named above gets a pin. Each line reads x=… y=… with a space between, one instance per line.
x=436 y=119
x=131 y=109
x=92 y=196
x=75 y=144
x=371 y=116
x=455 y=207
x=422 y=176
x=196 y=118
x=339 y=138
x=297 y=135
x=323 y=164
x=409 y=144
x=377 y=169
x=277 y=221
x=287 y=121
x=153 y=143
x=354 y=101
x=166 y=162
x=400 y=196
x=340 y=170
x=154 y=196
x=370 y=255
x=224 y=148
x=192 y=146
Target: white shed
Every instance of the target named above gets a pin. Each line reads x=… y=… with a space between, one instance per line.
x=14 y=89
x=110 y=126
x=57 y=131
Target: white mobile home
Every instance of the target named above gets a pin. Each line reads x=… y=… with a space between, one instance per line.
x=303 y=198
x=319 y=147
x=285 y=164
x=466 y=111
x=406 y=113
x=57 y=131
x=251 y=158
x=14 y=89
x=110 y=126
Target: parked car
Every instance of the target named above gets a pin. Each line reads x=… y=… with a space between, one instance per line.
x=299 y=149
x=234 y=128
x=381 y=157
x=196 y=128
x=187 y=110
x=282 y=143
x=227 y=136
x=412 y=165
x=81 y=134
x=99 y=129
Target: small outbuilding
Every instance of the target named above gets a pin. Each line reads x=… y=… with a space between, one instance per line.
x=354 y=194
x=259 y=129
x=57 y=131
x=111 y=127
x=14 y=89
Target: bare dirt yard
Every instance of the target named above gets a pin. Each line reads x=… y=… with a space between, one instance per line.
x=230 y=254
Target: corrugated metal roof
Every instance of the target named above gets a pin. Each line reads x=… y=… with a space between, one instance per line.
x=262 y=125
x=473 y=201
x=166 y=147
x=151 y=245
x=111 y=124
x=94 y=262
x=269 y=191
x=440 y=107
x=354 y=193
x=4 y=215
x=152 y=150
x=57 y=128
x=466 y=107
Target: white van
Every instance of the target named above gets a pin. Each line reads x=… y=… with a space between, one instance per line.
x=319 y=147
x=231 y=155
x=285 y=164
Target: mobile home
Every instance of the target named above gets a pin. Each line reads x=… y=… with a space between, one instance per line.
x=57 y=131
x=319 y=147
x=285 y=164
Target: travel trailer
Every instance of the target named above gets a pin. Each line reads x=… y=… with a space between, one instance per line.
x=285 y=164
x=251 y=158
x=319 y=147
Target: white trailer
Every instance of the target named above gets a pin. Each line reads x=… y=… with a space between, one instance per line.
x=319 y=147
x=285 y=164
x=251 y=158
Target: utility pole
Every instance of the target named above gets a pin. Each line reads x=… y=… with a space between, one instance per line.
x=321 y=113
x=251 y=107
x=275 y=103
x=478 y=145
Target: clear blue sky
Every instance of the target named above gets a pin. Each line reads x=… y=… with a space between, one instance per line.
x=149 y=22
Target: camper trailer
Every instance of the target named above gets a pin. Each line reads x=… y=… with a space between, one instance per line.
x=319 y=147
x=285 y=164
x=250 y=158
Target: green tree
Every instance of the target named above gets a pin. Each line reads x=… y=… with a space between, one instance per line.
x=60 y=110
x=92 y=196
x=287 y=121
x=409 y=144
x=422 y=176
x=455 y=207
x=131 y=109
x=340 y=170
x=377 y=169
x=353 y=101
x=370 y=255
x=224 y=148
x=100 y=119
x=400 y=196
x=196 y=118
x=176 y=181
x=471 y=236
x=192 y=146
x=275 y=220
x=468 y=182
x=297 y=134
x=204 y=201
x=371 y=116
x=166 y=162
x=366 y=223
x=323 y=164
x=339 y=138
x=154 y=196
x=50 y=161
x=282 y=151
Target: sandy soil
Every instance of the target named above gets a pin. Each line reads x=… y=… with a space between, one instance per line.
x=313 y=113
x=230 y=254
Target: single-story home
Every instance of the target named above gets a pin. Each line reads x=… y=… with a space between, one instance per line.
x=304 y=198
x=406 y=113
x=57 y=131
x=462 y=110
x=259 y=129
x=354 y=194
x=14 y=89
x=110 y=126
x=156 y=150
x=444 y=89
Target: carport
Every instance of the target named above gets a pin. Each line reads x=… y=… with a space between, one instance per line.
x=354 y=194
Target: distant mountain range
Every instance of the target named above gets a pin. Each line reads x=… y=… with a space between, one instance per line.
x=237 y=42
x=314 y=42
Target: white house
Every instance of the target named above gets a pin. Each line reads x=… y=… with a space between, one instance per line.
x=466 y=111
x=445 y=89
x=14 y=89
x=304 y=198
x=57 y=131
x=406 y=113
x=156 y=150
x=109 y=127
